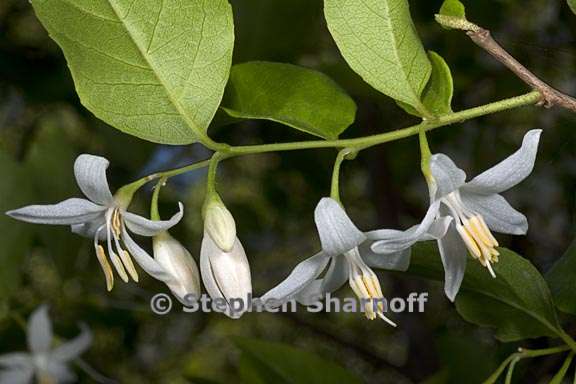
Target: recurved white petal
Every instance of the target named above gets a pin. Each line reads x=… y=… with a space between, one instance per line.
x=39 y=331
x=338 y=234
x=305 y=272
x=447 y=176
x=390 y=240
x=73 y=348
x=510 y=171
x=144 y=260
x=336 y=276
x=90 y=172
x=58 y=372
x=88 y=229
x=454 y=255
x=497 y=212
x=67 y=212
x=144 y=227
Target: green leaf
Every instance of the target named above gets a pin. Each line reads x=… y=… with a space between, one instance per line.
x=562 y=281
x=572 y=5
x=453 y=8
x=153 y=69
x=298 y=97
x=379 y=41
x=437 y=96
x=274 y=363
x=517 y=303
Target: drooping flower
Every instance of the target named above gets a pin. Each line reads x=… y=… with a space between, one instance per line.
x=42 y=362
x=176 y=260
x=347 y=257
x=103 y=217
x=476 y=208
x=224 y=266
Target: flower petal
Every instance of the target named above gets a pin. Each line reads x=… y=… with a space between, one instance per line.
x=497 y=212
x=39 y=331
x=396 y=261
x=144 y=260
x=390 y=240
x=88 y=229
x=447 y=176
x=144 y=227
x=73 y=348
x=336 y=275
x=59 y=373
x=67 y=212
x=22 y=375
x=338 y=234
x=454 y=255
x=510 y=171
x=90 y=174
x=15 y=359
x=311 y=293
x=305 y=272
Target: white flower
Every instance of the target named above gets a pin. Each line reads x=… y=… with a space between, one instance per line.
x=103 y=217
x=475 y=207
x=46 y=364
x=225 y=270
x=176 y=260
x=346 y=250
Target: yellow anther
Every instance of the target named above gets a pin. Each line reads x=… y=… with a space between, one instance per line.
x=127 y=260
x=119 y=267
x=469 y=241
x=101 y=255
x=116 y=222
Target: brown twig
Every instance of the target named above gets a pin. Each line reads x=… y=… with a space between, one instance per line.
x=483 y=38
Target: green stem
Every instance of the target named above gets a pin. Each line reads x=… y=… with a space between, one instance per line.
x=356 y=144
x=425 y=154
x=154 y=214
x=335 y=187
x=522 y=354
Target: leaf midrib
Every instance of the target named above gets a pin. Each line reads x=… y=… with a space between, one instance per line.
x=202 y=136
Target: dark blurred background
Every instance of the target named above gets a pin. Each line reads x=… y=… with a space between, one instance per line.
x=43 y=127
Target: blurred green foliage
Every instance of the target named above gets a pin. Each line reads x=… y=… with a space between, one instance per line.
x=43 y=127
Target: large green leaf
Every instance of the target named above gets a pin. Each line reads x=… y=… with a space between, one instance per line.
x=274 y=363
x=437 y=96
x=379 y=41
x=517 y=303
x=298 y=97
x=153 y=69
x=572 y=5
x=562 y=281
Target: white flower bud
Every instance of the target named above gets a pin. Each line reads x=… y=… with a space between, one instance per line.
x=226 y=275
x=177 y=261
x=220 y=225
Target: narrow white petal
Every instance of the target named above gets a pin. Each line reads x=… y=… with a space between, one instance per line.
x=39 y=331
x=67 y=212
x=89 y=228
x=510 y=171
x=90 y=174
x=447 y=176
x=338 y=234
x=336 y=276
x=73 y=348
x=497 y=213
x=390 y=240
x=144 y=260
x=454 y=255
x=59 y=372
x=305 y=272
x=15 y=359
x=144 y=227
x=310 y=293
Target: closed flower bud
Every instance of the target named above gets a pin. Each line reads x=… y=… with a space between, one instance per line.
x=220 y=225
x=226 y=275
x=177 y=261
